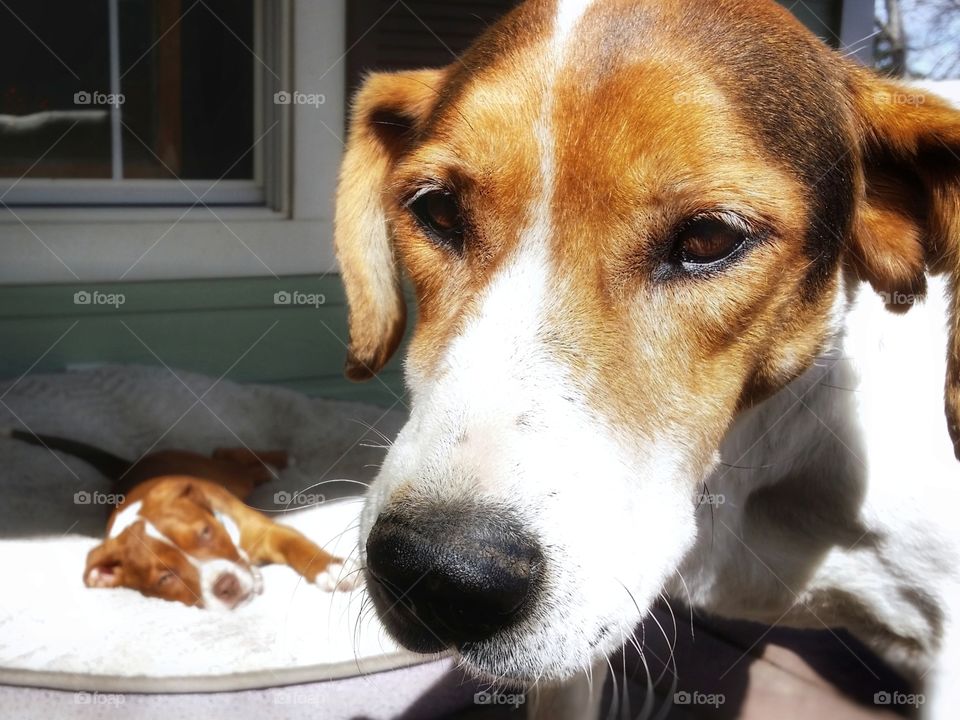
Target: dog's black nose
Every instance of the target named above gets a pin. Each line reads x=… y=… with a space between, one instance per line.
x=449 y=577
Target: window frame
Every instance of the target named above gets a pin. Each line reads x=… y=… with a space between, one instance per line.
x=281 y=227
x=120 y=190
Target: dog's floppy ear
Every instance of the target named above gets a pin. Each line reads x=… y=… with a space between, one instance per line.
x=909 y=220
x=104 y=566
x=388 y=111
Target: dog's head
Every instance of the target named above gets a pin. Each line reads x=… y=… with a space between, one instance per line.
x=624 y=221
x=173 y=545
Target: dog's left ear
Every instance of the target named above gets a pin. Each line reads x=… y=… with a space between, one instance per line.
x=388 y=111
x=908 y=222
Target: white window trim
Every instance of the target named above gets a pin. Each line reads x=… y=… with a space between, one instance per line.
x=290 y=234
x=46 y=193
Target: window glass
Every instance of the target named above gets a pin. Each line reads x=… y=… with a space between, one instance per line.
x=185 y=96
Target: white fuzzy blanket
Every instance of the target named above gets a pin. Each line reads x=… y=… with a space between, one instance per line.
x=50 y=622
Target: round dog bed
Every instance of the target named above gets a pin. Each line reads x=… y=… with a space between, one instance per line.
x=99 y=644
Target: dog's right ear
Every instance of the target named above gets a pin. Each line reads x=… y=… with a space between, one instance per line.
x=388 y=111
x=909 y=218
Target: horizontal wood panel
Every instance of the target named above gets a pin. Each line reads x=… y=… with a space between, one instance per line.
x=34 y=301
x=231 y=326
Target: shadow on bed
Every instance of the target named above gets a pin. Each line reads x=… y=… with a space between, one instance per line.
x=733 y=669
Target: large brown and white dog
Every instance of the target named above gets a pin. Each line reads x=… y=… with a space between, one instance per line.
x=652 y=242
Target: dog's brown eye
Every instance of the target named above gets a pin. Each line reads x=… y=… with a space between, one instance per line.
x=438 y=212
x=206 y=533
x=708 y=240
x=165 y=579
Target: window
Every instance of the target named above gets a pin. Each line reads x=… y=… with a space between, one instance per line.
x=919 y=40
x=844 y=24
x=103 y=95
x=201 y=171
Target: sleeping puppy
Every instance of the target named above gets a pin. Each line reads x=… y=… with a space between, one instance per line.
x=189 y=540
x=182 y=533
x=645 y=235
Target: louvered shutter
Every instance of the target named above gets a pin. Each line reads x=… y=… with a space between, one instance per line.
x=392 y=35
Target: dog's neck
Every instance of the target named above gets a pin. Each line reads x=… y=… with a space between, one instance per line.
x=810 y=479
x=808 y=428
x=854 y=404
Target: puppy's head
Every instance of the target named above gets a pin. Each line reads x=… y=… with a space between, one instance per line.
x=172 y=545
x=624 y=222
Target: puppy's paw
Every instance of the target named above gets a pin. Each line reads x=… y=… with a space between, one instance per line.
x=339 y=577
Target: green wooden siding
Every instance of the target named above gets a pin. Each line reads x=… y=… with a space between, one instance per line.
x=230 y=326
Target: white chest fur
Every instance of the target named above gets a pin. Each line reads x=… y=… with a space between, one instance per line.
x=836 y=504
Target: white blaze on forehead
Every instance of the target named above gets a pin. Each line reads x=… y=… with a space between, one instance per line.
x=125 y=518
x=501 y=341
x=233 y=530
x=568 y=13
x=503 y=338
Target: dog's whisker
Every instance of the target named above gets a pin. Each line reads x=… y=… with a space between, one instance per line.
x=373 y=429
x=587 y=669
x=374 y=446
x=625 y=690
x=615 y=694
x=840 y=387
x=346 y=610
x=671 y=647
x=351 y=481
x=649 y=696
x=689 y=600
x=358 y=627
x=364 y=600
x=672 y=665
x=673 y=617
x=352 y=599
x=351 y=528
x=535 y=687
